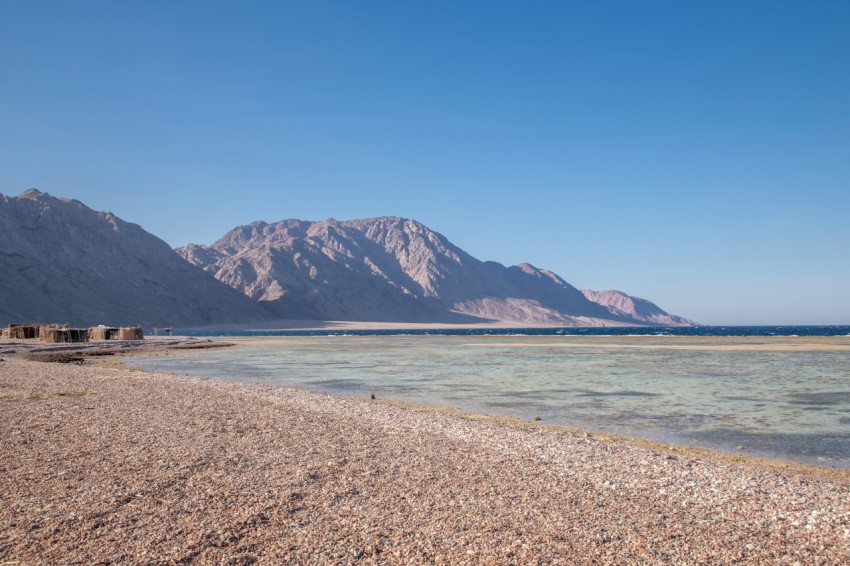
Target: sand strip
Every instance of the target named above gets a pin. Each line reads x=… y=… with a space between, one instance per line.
x=111 y=464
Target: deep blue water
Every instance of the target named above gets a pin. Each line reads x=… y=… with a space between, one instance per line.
x=843 y=330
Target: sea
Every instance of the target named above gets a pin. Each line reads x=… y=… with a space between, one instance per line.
x=780 y=392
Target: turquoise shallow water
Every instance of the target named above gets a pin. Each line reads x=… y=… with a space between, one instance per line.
x=786 y=398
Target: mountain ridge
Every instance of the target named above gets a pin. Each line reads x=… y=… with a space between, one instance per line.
x=294 y=265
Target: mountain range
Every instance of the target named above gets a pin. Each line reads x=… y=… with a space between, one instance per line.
x=63 y=261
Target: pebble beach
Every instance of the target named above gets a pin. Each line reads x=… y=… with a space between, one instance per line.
x=106 y=464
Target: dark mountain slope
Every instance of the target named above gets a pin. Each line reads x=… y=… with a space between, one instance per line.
x=62 y=261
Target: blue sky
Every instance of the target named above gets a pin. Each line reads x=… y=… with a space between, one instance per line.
x=695 y=154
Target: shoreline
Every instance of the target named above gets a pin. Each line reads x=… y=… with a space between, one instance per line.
x=136 y=466
x=36 y=350
x=740 y=451
x=111 y=354
x=512 y=421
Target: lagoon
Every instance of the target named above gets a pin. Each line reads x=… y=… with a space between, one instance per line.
x=782 y=397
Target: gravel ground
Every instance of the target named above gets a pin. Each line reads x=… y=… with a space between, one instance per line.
x=109 y=465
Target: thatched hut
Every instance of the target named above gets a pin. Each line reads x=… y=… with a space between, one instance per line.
x=55 y=334
x=43 y=328
x=21 y=331
x=78 y=335
x=131 y=333
x=103 y=333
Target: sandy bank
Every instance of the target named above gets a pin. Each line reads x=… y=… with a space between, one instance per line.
x=339 y=325
x=731 y=343
x=105 y=463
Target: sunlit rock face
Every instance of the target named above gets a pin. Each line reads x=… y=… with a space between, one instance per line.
x=392 y=269
x=638 y=309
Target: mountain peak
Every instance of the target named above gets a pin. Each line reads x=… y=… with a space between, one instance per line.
x=32 y=194
x=36 y=196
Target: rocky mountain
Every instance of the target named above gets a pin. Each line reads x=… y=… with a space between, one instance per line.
x=396 y=269
x=635 y=308
x=61 y=261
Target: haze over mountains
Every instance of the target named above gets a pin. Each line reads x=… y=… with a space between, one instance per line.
x=63 y=261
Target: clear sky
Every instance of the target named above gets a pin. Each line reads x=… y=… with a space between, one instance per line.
x=693 y=153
